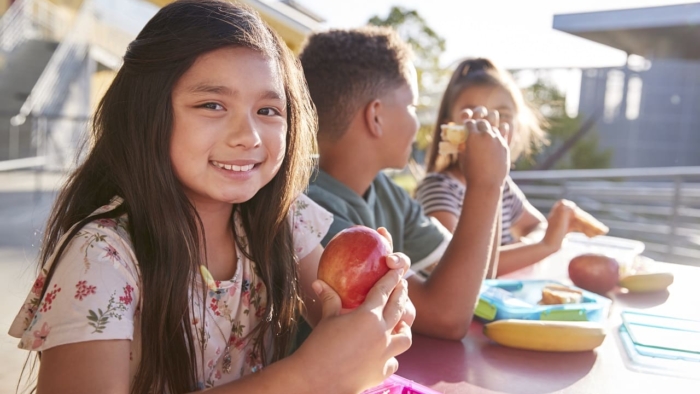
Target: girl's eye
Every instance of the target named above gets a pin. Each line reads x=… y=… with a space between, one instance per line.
x=267 y=111
x=212 y=106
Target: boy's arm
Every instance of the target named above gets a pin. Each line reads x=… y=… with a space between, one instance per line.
x=445 y=302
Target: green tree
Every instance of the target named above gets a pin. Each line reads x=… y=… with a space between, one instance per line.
x=427 y=45
x=585 y=153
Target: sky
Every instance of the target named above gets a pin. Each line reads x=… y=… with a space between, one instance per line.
x=514 y=33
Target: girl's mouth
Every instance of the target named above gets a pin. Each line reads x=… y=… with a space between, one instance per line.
x=233 y=167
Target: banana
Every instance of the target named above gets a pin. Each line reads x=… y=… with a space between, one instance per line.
x=548 y=336
x=647 y=282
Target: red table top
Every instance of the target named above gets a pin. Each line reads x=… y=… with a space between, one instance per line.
x=477 y=365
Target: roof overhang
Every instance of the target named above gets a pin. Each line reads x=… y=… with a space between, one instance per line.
x=290 y=23
x=653 y=32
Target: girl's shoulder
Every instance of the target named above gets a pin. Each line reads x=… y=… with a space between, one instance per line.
x=92 y=289
x=310 y=223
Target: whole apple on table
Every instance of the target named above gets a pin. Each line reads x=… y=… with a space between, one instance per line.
x=594 y=272
x=352 y=262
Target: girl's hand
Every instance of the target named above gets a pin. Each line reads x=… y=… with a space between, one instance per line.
x=559 y=224
x=486 y=157
x=356 y=350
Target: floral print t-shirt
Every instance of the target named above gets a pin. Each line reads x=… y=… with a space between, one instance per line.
x=95 y=294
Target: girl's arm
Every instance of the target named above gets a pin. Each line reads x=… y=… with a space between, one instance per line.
x=346 y=352
x=528 y=221
x=520 y=255
x=85 y=367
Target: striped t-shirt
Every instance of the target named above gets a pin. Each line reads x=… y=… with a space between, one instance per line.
x=440 y=192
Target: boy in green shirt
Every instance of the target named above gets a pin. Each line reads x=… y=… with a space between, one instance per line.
x=364 y=86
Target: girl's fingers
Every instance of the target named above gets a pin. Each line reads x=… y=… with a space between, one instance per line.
x=330 y=301
x=396 y=305
x=381 y=291
x=390 y=368
x=386 y=234
x=398 y=261
x=401 y=340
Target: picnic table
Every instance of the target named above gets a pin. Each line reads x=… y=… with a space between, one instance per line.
x=477 y=365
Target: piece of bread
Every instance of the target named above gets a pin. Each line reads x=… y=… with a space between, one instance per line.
x=585 y=223
x=558 y=294
x=453 y=133
x=452 y=136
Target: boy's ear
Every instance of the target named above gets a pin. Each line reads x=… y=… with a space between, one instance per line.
x=373 y=117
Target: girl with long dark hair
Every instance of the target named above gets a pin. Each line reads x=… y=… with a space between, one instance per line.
x=181 y=252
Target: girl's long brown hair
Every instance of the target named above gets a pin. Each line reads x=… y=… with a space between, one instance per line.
x=482 y=72
x=130 y=158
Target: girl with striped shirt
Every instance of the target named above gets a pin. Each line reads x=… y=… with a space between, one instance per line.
x=480 y=90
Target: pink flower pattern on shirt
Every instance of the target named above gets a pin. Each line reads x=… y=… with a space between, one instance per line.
x=84 y=290
x=40 y=336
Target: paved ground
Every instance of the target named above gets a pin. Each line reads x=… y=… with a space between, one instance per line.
x=24 y=207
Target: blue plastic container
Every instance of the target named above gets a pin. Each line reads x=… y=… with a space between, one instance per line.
x=519 y=299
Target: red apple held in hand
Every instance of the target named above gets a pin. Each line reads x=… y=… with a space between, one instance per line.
x=594 y=272
x=352 y=262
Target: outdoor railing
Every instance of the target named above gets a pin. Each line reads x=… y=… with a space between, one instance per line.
x=658 y=206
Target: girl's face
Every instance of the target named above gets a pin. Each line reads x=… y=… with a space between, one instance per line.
x=491 y=97
x=229 y=126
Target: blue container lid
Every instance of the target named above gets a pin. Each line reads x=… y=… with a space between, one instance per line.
x=519 y=299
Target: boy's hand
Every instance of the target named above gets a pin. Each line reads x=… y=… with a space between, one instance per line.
x=486 y=157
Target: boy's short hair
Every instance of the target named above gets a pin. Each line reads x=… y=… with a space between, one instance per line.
x=346 y=69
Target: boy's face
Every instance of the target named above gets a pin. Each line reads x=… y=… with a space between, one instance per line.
x=400 y=122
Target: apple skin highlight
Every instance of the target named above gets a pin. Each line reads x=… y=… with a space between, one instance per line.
x=352 y=262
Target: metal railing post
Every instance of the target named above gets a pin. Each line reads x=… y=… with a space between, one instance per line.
x=13 y=144
x=673 y=219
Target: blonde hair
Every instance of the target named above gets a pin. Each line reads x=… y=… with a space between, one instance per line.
x=482 y=72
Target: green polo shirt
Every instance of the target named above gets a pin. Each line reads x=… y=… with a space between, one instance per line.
x=385 y=204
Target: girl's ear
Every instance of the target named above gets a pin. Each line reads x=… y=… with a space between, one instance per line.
x=373 y=118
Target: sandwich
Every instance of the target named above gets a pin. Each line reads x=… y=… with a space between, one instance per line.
x=558 y=294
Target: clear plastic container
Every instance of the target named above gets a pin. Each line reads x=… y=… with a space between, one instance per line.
x=621 y=249
x=659 y=344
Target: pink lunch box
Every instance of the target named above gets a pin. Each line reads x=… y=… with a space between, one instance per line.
x=395 y=384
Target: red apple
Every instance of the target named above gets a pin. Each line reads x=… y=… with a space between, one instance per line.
x=352 y=262
x=594 y=272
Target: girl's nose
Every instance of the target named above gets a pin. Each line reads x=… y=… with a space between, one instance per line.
x=243 y=133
